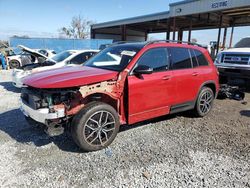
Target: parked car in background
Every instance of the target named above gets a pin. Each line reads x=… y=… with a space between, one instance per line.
x=234 y=63
x=123 y=84
x=27 y=56
x=69 y=58
x=47 y=53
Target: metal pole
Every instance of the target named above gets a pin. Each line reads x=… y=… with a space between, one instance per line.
x=180 y=34
x=190 y=30
x=224 y=38
x=92 y=33
x=168 y=29
x=124 y=37
x=219 y=32
x=174 y=29
x=231 y=37
x=146 y=36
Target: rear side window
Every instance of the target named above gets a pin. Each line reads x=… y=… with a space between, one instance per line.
x=194 y=58
x=180 y=58
x=155 y=58
x=201 y=58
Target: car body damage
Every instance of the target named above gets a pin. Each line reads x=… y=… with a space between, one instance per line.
x=107 y=87
x=72 y=100
x=110 y=92
x=112 y=88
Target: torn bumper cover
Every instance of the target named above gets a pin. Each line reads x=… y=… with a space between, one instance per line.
x=43 y=114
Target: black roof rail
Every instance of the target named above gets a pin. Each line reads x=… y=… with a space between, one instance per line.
x=173 y=41
x=124 y=42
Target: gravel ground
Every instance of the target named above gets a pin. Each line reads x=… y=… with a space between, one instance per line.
x=171 y=151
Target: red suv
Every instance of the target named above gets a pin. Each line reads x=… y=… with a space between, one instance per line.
x=123 y=84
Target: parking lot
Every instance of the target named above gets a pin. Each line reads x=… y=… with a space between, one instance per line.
x=171 y=151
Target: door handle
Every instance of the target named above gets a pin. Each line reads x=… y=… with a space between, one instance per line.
x=195 y=74
x=166 y=77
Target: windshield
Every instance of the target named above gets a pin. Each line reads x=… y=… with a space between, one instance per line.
x=61 y=56
x=114 y=58
x=243 y=43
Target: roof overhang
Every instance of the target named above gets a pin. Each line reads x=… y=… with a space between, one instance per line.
x=138 y=19
x=182 y=16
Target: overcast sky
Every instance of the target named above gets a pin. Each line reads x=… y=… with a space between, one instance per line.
x=43 y=18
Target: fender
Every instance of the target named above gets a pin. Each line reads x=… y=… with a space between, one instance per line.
x=205 y=83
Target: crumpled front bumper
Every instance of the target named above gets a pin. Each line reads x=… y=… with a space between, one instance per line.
x=41 y=115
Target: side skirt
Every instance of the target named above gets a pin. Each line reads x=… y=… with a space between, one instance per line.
x=182 y=107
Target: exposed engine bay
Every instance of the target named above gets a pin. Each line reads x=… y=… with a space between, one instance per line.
x=56 y=100
x=68 y=101
x=46 y=98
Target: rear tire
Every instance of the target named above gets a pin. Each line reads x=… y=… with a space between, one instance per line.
x=95 y=126
x=14 y=64
x=204 y=102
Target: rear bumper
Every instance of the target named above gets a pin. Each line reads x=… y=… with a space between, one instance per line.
x=234 y=72
x=41 y=115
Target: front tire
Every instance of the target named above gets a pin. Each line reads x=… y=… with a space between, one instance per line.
x=14 y=64
x=204 y=102
x=95 y=126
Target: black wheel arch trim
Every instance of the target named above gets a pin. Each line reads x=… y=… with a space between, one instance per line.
x=204 y=84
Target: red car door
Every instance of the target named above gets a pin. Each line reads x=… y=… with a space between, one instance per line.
x=150 y=95
x=188 y=78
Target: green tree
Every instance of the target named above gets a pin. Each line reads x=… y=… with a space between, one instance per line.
x=78 y=29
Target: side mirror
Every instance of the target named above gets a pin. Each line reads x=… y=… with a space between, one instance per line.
x=143 y=69
x=69 y=62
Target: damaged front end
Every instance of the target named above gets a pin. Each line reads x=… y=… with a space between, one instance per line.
x=56 y=107
x=50 y=107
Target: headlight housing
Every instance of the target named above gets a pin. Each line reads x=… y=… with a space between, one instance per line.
x=218 y=59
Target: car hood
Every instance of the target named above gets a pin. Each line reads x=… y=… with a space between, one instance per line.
x=246 y=50
x=31 y=51
x=67 y=77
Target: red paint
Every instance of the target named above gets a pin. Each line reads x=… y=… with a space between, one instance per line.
x=141 y=99
x=68 y=77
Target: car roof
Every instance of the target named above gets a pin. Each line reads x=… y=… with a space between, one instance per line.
x=136 y=45
x=81 y=51
x=159 y=43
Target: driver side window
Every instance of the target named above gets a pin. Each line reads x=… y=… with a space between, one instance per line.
x=156 y=58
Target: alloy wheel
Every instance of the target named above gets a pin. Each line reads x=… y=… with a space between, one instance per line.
x=99 y=128
x=206 y=102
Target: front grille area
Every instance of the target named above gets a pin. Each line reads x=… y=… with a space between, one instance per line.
x=241 y=59
x=33 y=100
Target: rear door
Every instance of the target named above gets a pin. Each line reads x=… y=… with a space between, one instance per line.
x=186 y=76
x=203 y=66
